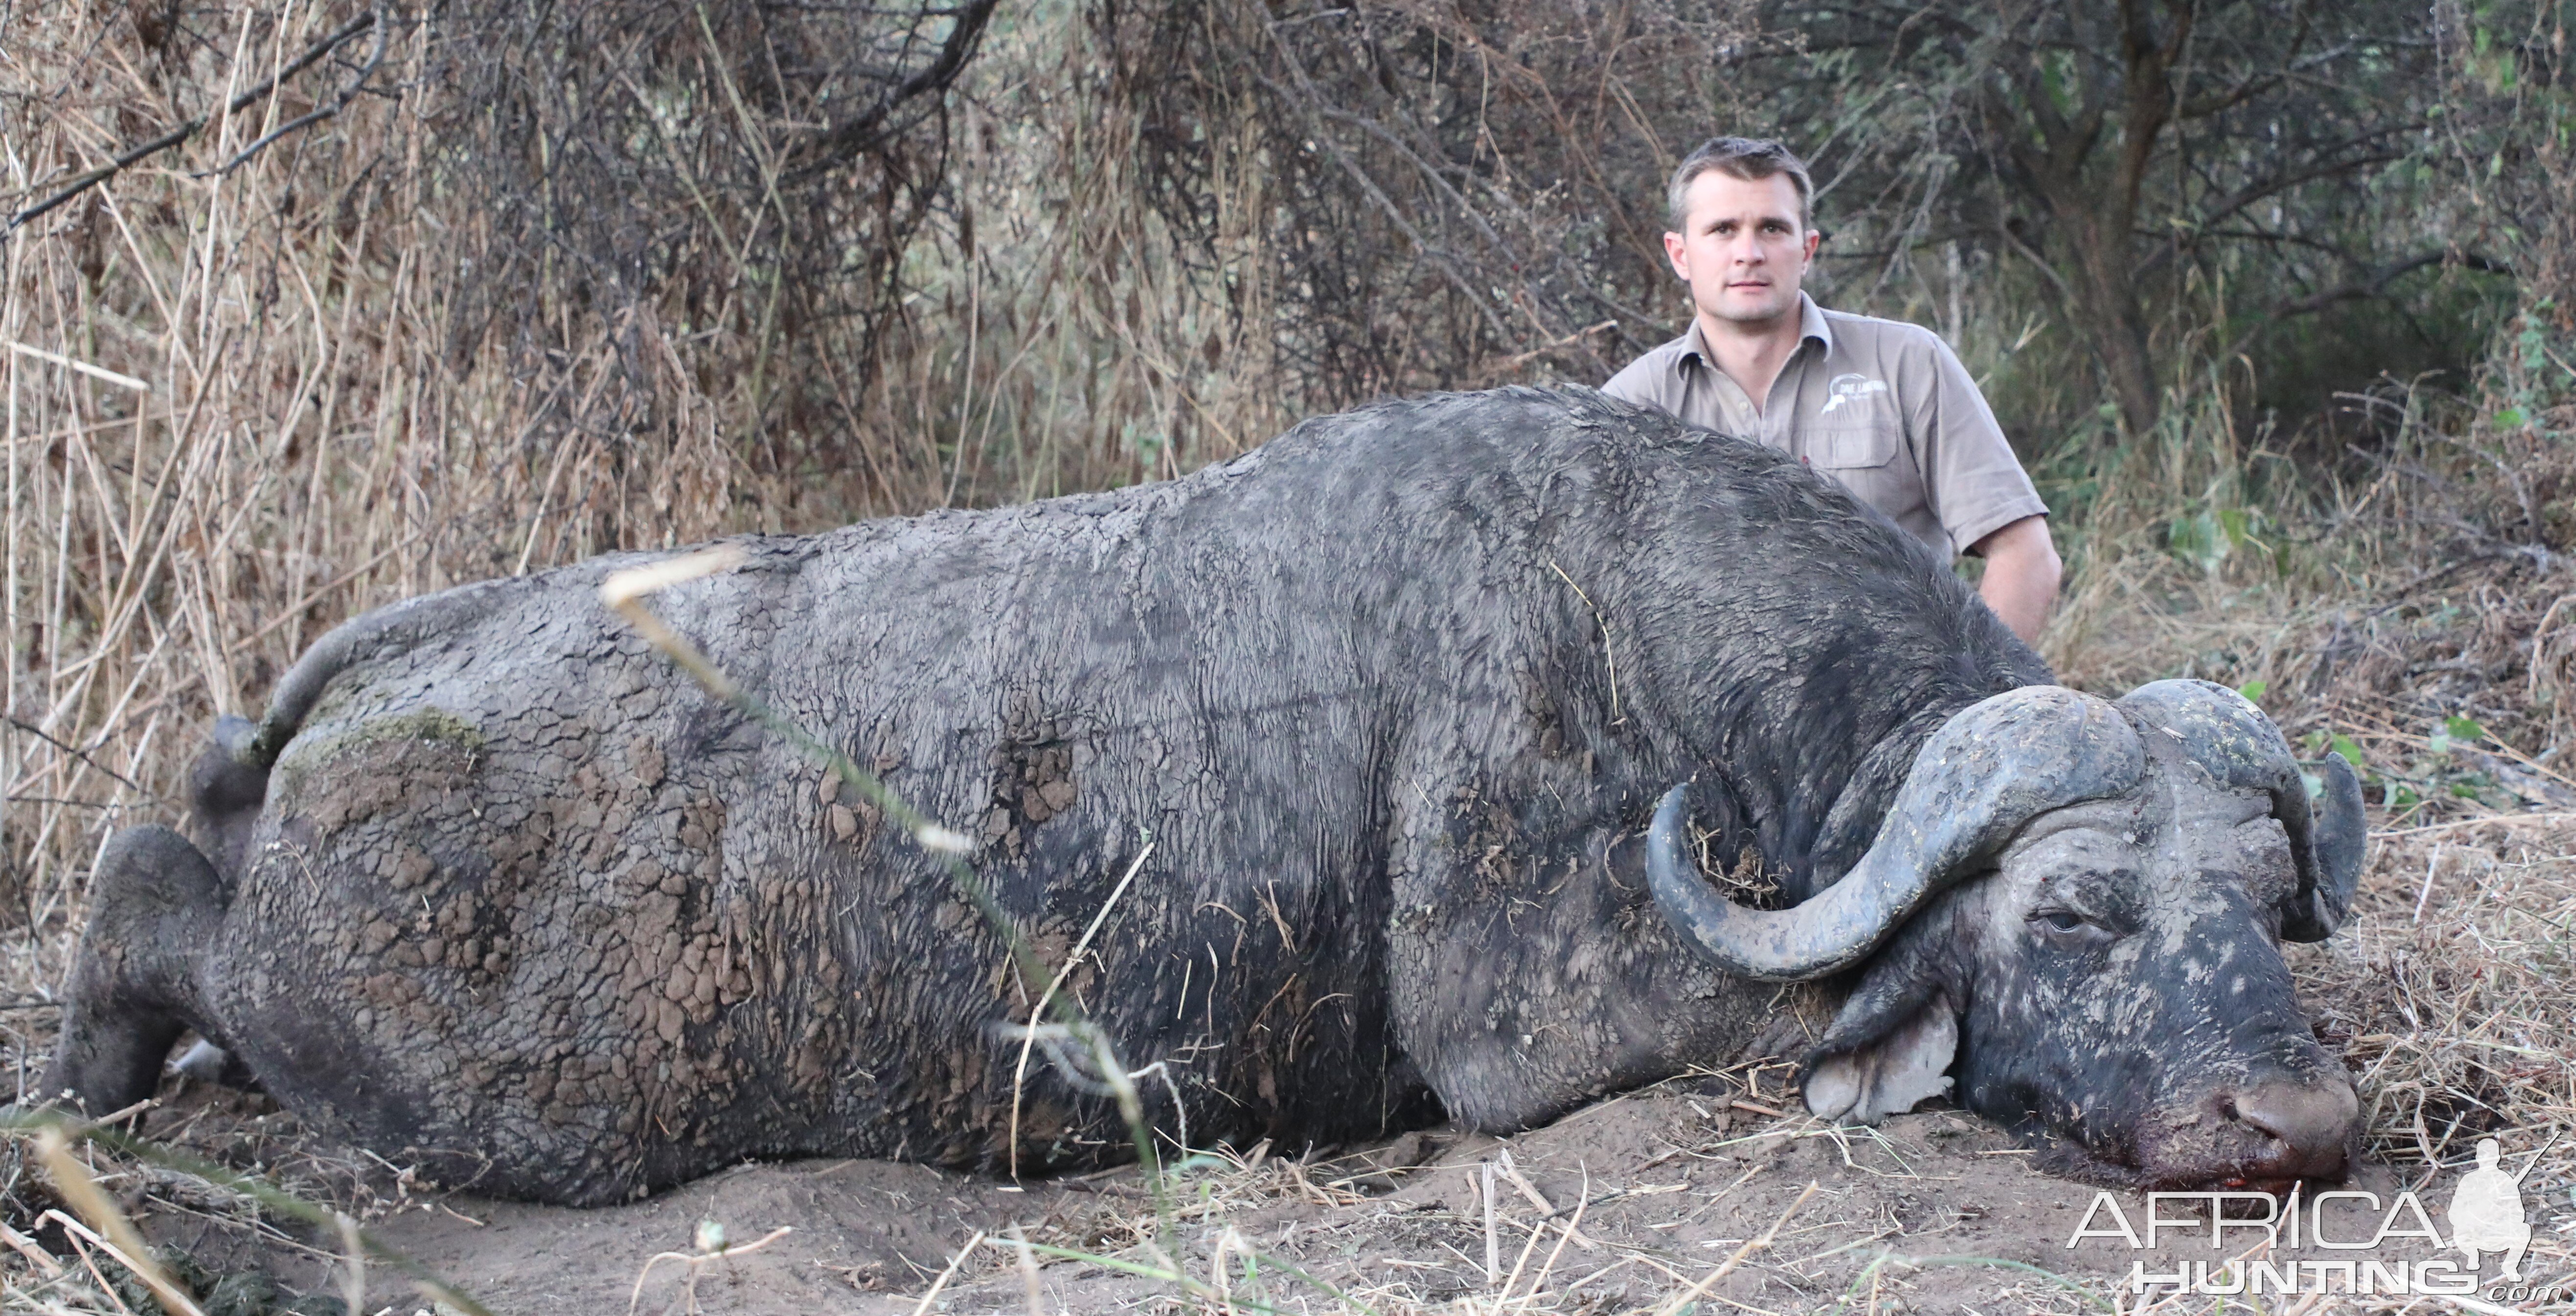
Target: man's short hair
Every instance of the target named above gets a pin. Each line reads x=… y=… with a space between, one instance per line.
x=1749 y=158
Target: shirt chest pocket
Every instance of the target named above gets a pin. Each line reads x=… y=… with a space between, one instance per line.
x=1851 y=449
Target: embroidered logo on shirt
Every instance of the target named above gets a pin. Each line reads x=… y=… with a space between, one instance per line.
x=1849 y=388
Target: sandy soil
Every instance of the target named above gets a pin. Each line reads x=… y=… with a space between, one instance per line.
x=1933 y=1212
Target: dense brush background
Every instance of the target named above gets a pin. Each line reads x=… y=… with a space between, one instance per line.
x=2274 y=297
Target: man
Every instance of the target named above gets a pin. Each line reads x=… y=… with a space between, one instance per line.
x=1882 y=406
x=2486 y=1211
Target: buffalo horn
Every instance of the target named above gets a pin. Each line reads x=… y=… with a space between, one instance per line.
x=2226 y=736
x=1991 y=768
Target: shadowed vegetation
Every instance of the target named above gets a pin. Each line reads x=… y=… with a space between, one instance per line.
x=2276 y=298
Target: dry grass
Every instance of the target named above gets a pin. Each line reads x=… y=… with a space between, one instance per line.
x=293 y=413
x=318 y=415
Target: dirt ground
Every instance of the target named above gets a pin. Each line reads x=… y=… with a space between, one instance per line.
x=1933 y=1212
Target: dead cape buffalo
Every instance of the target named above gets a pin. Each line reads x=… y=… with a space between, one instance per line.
x=1394 y=697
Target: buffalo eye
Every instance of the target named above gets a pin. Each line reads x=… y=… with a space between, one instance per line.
x=2065 y=928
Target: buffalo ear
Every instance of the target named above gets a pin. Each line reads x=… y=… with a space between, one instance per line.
x=1890 y=1048
x=2341 y=837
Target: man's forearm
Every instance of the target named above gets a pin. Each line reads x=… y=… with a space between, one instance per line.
x=2022 y=574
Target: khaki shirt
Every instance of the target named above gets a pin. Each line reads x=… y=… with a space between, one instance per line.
x=1883 y=406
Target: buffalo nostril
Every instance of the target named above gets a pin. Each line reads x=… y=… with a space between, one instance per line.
x=2311 y=1122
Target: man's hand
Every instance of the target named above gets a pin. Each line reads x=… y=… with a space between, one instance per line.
x=2021 y=575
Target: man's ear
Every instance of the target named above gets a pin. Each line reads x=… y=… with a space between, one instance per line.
x=1891 y=1046
x=1677 y=250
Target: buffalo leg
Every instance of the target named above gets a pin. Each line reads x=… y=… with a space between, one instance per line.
x=154 y=905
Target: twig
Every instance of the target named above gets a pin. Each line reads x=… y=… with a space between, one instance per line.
x=1029 y=1273
x=365 y=75
x=1519 y=1264
x=1572 y=1229
x=1751 y=1245
x=1516 y=362
x=1493 y=1245
x=120 y=1116
x=1028 y=1037
x=353 y=1285
x=48 y=737
x=266 y=1194
x=189 y=129
x=73 y=1233
x=120 y=1239
x=26 y=1247
x=1547 y=1210
x=83 y=367
x=1608 y=657
x=697 y=1260
x=861 y=132
x=947 y=1274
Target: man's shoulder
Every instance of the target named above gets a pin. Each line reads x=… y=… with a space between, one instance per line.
x=1655 y=376
x=1665 y=355
x=1869 y=333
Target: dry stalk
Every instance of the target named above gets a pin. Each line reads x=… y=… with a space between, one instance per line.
x=1493 y=1242
x=119 y=1237
x=1751 y=1246
x=695 y=1262
x=353 y=1261
x=1028 y=1034
x=1033 y=1288
x=1547 y=1211
x=946 y=1274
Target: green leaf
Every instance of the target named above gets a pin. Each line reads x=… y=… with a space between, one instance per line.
x=2462 y=728
x=2238 y=525
x=2509 y=416
x=2439 y=742
x=2464 y=790
x=2199 y=540
x=2351 y=752
x=2253 y=690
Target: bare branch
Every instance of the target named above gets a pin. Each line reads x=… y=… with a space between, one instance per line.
x=375 y=57
x=864 y=131
x=189 y=129
x=2364 y=289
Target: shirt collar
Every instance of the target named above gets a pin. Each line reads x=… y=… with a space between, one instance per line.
x=1811 y=329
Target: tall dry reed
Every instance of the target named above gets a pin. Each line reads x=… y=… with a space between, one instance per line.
x=243 y=406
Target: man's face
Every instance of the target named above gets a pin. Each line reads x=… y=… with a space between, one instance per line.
x=1744 y=247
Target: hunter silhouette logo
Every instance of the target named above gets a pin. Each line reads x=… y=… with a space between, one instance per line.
x=2487 y=1219
x=2486 y=1210
x=1849 y=388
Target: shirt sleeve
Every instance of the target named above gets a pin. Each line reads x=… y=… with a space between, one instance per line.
x=1971 y=479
